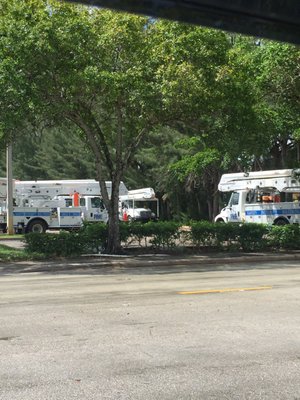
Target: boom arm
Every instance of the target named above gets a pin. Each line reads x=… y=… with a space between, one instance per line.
x=285 y=180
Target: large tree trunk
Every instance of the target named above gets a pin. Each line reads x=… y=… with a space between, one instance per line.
x=84 y=118
x=210 y=208
x=284 y=150
x=113 y=240
x=210 y=181
x=216 y=206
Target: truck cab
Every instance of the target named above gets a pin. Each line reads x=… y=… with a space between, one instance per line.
x=132 y=210
x=92 y=207
x=139 y=205
x=235 y=209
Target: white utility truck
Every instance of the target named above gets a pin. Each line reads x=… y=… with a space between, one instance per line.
x=62 y=204
x=86 y=194
x=65 y=204
x=139 y=205
x=37 y=217
x=269 y=197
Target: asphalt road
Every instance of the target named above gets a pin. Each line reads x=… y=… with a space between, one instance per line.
x=141 y=333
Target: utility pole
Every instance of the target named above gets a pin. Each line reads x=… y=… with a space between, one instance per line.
x=9 y=200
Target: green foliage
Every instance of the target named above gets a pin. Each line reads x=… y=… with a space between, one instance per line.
x=135 y=232
x=253 y=237
x=285 y=237
x=163 y=234
x=95 y=231
x=227 y=236
x=202 y=233
x=64 y=244
x=50 y=154
x=277 y=80
x=132 y=85
x=125 y=231
x=231 y=236
x=215 y=235
x=91 y=238
x=195 y=164
x=8 y=253
x=159 y=235
x=168 y=236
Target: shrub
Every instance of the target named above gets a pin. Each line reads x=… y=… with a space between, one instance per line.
x=94 y=234
x=202 y=233
x=227 y=236
x=90 y=239
x=222 y=236
x=285 y=237
x=163 y=234
x=95 y=230
x=125 y=231
x=62 y=244
x=137 y=232
x=231 y=236
x=252 y=237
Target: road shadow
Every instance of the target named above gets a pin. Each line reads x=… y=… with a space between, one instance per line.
x=151 y=265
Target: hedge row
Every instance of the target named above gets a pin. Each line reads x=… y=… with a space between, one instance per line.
x=169 y=235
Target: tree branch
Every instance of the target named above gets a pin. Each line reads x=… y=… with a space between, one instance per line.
x=134 y=145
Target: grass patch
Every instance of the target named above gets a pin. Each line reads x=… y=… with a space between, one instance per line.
x=10 y=254
x=5 y=236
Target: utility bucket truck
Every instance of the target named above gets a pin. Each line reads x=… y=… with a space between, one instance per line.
x=139 y=205
x=62 y=204
x=269 y=197
x=29 y=217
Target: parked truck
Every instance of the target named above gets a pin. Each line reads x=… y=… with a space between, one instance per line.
x=270 y=197
x=63 y=204
x=139 y=205
x=58 y=204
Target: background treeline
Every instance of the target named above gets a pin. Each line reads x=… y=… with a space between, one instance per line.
x=241 y=113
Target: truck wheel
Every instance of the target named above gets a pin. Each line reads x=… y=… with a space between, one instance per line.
x=281 y=221
x=220 y=221
x=36 y=226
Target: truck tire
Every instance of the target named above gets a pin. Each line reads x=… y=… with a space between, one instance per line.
x=36 y=226
x=281 y=221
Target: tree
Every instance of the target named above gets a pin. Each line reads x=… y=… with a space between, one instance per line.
x=278 y=66
x=51 y=154
x=92 y=67
x=124 y=81
x=114 y=76
x=227 y=133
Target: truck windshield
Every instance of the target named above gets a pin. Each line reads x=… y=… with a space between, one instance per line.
x=96 y=202
x=141 y=204
x=69 y=202
x=135 y=204
x=234 y=199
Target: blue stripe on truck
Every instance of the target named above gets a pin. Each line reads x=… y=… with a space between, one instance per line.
x=70 y=214
x=287 y=211
x=31 y=214
x=44 y=214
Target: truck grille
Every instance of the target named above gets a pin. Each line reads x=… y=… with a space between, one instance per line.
x=146 y=214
